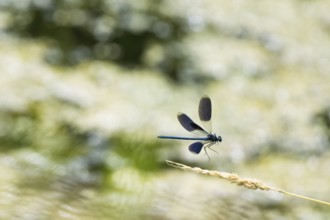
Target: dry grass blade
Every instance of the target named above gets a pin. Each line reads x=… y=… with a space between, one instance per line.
x=234 y=178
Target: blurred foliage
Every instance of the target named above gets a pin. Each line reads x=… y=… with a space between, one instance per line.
x=56 y=163
x=43 y=130
x=323 y=117
x=137 y=151
x=38 y=126
x=120 y=31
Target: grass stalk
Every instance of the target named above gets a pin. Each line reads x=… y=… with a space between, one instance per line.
x=235 y=179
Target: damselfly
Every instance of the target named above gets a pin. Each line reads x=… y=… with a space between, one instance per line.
x=205 y=114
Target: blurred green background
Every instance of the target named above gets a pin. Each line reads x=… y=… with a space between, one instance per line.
x=87 y=85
